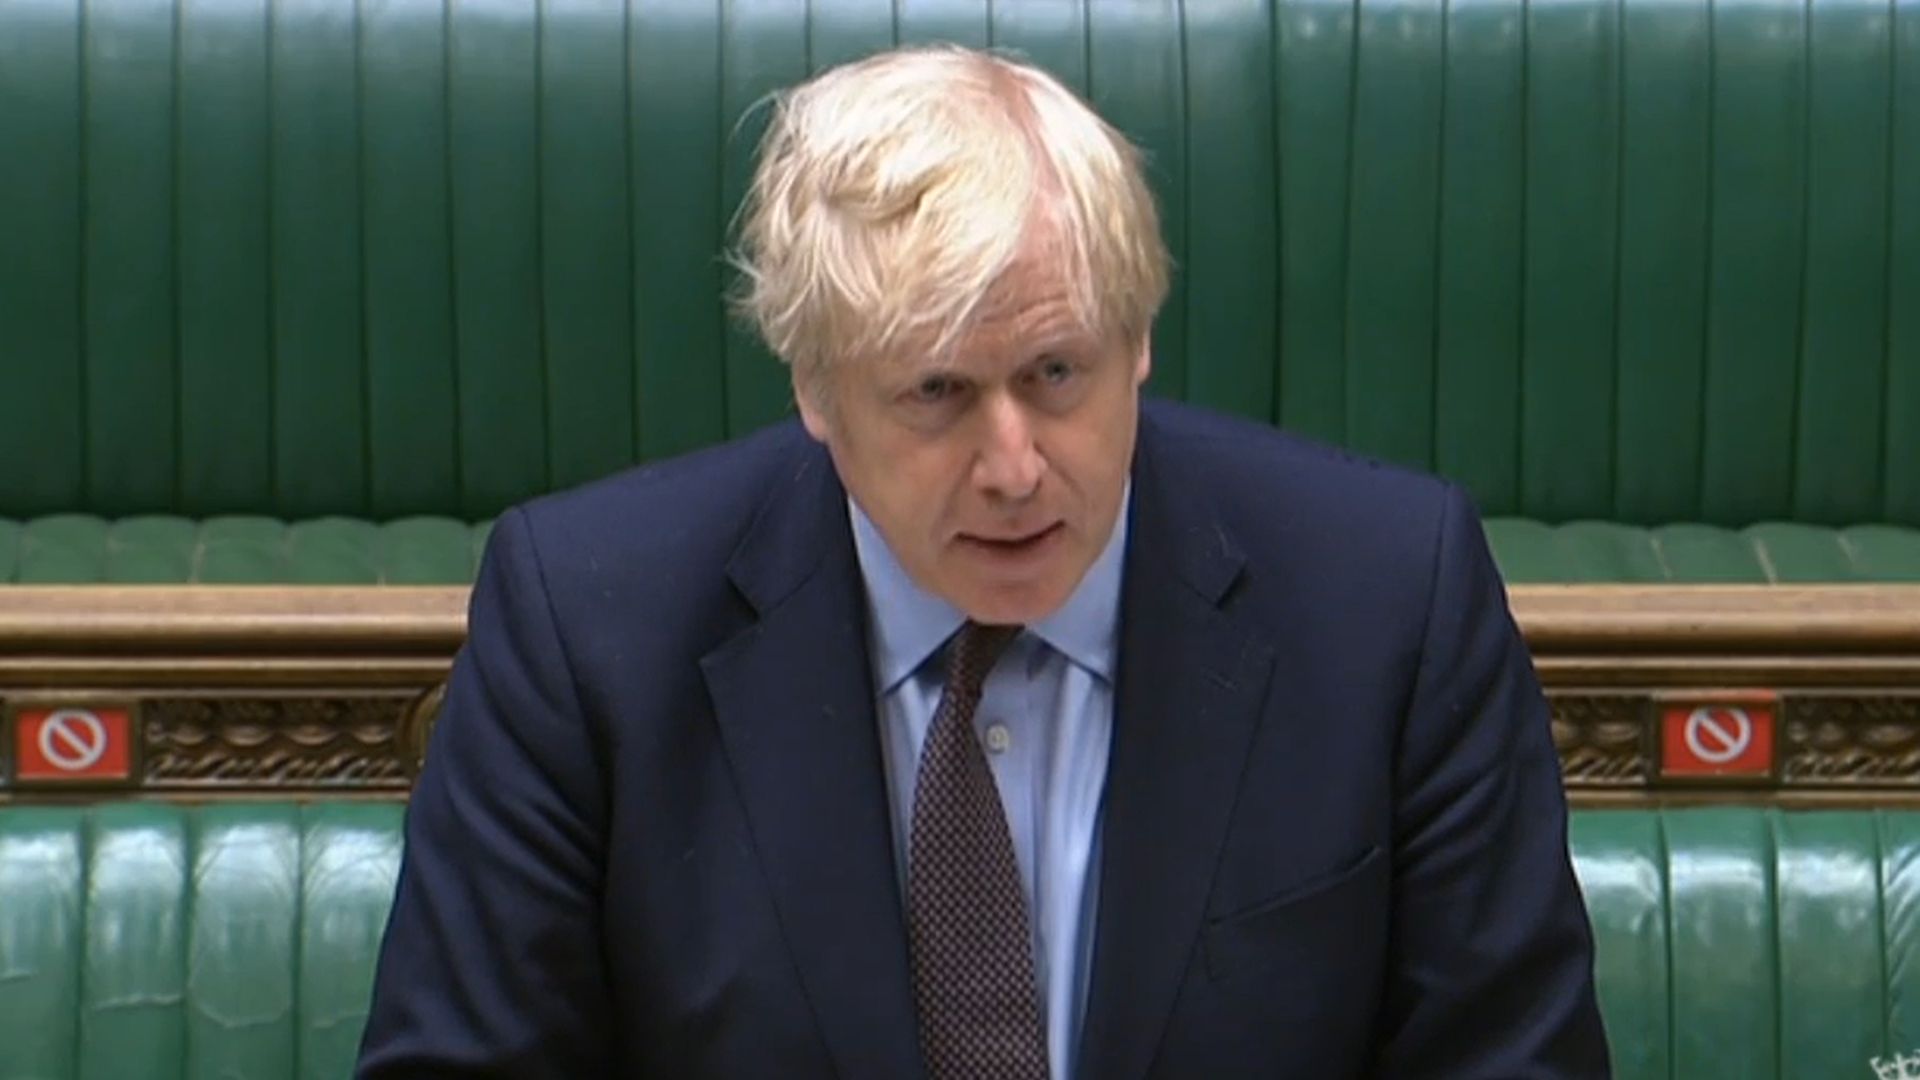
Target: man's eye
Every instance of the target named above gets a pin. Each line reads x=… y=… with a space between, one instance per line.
x=934 y=388
x=1056 y=371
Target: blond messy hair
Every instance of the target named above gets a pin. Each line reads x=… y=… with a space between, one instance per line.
x=893 y=191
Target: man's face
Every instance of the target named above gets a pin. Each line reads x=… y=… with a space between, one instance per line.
x=996 y=476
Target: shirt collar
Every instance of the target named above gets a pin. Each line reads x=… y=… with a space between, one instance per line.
x=909 y=623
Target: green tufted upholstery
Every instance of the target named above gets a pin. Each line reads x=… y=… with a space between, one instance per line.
x=1775 y=553
x=1626 y=261
x=75 y=549
x=239 y=550
x=1742 y=944
x=141 y=941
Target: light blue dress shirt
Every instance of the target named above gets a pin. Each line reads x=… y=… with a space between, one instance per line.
x=1046 y=721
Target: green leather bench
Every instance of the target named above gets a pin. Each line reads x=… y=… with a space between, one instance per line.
x=143 y=941
x=308 y=291
x=422 y=550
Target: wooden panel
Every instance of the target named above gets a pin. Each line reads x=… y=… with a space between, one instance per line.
x=278 y=691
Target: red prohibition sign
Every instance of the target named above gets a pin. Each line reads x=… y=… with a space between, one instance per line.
x=1728 y=735
x=73 y=739
x=1718 y=734
x=66 y=743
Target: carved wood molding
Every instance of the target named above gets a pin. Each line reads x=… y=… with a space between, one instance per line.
x=1695 y=620
x=1685 y=620
x=1601 y=739
x=235 y=692
x=218 y=620
x=1853 y=741
x=216 y=742
x=250 y=692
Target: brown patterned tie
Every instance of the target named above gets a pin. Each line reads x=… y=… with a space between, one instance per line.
x=973 y=979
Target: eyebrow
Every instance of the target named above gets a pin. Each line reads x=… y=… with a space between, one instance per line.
x=911 y=371
x=916 y=373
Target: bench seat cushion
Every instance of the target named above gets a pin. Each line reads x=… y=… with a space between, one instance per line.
x=142 y=940
x=77 y=549
x=1777 y=553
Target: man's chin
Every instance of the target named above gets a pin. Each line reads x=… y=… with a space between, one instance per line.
x=1011 y=604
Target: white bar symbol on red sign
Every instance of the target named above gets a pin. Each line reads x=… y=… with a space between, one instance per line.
x=71 y=743
x=73 y=740
x=1719 y=734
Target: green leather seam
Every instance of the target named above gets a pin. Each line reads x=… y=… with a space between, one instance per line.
x=1665 y=862
x=1772 y=912
x=1186 y=185
x=298 y=938
x=1880 y=930
x=1655 y=543
x=189 y=923
x=89 y=825
x=1760 y=556
x=1851 y=551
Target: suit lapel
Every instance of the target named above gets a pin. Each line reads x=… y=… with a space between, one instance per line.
x=1191 y=683
x=794 y=701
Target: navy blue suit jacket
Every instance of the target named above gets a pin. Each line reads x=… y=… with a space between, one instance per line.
x=652 y=835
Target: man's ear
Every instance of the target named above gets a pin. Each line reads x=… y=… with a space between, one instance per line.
x=1143 y=361
x=812 y=414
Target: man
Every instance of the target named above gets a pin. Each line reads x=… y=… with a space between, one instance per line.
x=986 y=723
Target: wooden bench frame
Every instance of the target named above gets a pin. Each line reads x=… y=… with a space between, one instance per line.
x=319 y=691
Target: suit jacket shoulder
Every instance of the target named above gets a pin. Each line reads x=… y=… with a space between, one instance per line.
x=652 y=545
x=1330 y=538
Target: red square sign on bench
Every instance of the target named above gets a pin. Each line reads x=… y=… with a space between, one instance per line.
x=54 y=744
x=1728 y=735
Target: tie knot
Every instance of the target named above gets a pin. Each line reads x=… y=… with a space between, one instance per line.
x=973 y=653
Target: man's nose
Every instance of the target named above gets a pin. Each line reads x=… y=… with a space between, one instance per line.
x=1010 y=464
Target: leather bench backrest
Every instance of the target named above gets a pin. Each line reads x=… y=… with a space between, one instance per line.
x=1736 y=944
x=1638 y=260
x=143 y=941
x=139 y=941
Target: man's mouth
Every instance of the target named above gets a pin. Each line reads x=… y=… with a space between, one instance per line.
x=1015 y=544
